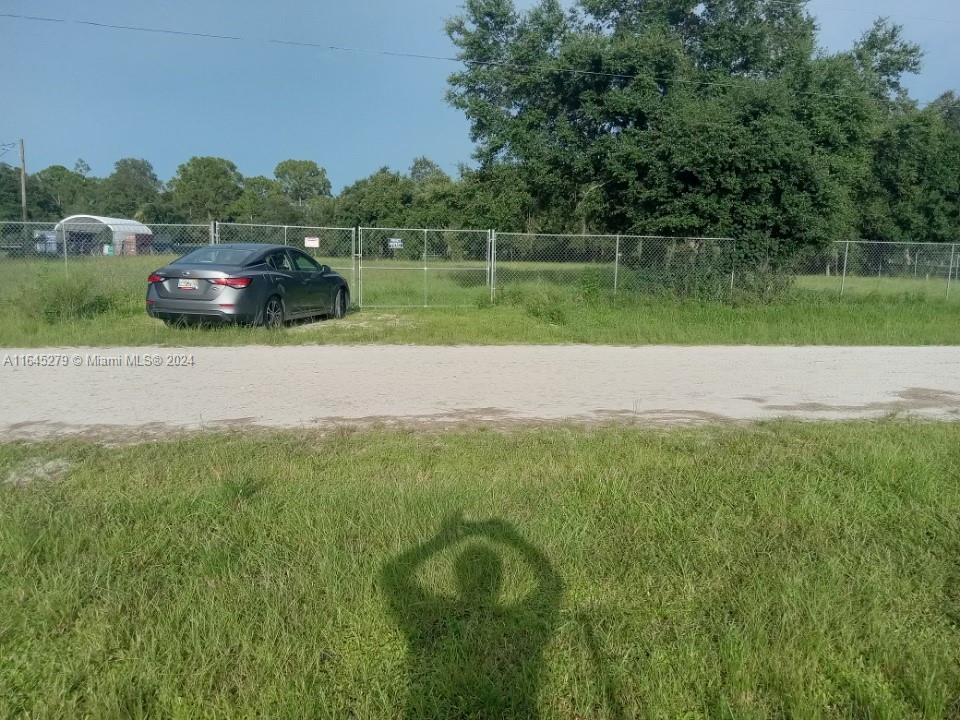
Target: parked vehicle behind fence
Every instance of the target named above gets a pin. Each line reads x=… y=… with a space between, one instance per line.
x=245 y=283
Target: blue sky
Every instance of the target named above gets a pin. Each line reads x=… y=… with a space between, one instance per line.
x=74 y=91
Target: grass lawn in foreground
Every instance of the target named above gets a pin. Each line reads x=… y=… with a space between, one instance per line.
x=780 y=570
x=100 y=301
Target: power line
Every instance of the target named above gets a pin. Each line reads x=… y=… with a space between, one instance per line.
x=36 y=18
x=418 y=56
x=156 y=30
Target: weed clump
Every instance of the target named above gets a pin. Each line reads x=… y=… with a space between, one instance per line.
x=543 y=303
x=58 y=298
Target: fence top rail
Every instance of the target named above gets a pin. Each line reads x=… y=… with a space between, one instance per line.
x=622 y=236
x=289 y=227
x=556 y=235
x=413 y=229
x=705 y=238
x=182 y=225
x=944 y=244
x=80 y=223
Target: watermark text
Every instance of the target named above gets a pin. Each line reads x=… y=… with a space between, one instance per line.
x=97 y=360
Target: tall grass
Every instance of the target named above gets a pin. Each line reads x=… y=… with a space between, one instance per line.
x=99 y=301
x=784 y=570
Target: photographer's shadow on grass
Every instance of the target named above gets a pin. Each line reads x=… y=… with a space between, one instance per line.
x=474 y=655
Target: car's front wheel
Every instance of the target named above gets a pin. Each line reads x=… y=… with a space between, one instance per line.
x=273 y=314
x=340 y=304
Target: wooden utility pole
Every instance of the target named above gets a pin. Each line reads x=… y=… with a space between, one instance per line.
x=23 y=182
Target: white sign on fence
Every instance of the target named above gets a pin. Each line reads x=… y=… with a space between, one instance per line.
x=395 y=243
x=311 y=242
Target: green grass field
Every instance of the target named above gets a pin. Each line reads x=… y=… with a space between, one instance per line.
x=99 y=301
x=781 y=570
x=933 y=288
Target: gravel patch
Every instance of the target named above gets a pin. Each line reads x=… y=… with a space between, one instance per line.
x=317 y=386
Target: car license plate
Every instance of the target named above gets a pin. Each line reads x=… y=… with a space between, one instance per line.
x=188 y=284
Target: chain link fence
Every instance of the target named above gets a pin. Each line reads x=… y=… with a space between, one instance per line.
x=527 y=261
x=611 y=264
x=423 y=267
x=857 y=268
x=408 y=267
x=86 y=239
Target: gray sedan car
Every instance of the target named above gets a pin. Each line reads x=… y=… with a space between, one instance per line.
x=259 y=284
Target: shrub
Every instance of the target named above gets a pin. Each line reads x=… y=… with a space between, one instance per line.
x=592 y=284
x=61 y=298
x=546 y=304
x=763 y=285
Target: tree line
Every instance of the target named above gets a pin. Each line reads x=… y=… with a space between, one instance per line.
x=299 y=193
x=675 y=117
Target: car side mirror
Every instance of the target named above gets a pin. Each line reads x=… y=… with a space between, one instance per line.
x=324 y=269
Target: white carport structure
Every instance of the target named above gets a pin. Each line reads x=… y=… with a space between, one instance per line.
x=92 y=234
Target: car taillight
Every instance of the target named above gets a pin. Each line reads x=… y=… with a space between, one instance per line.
x=238 y=283
x=154 y=278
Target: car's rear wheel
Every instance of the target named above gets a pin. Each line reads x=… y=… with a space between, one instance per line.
x=340 y=304
x=273 y=314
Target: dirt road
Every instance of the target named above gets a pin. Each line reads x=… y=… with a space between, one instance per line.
x=118 y=389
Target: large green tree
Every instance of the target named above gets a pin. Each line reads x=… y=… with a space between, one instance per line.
x=263 y=201
x=71 y=192
x=10 y=207
x=302 y=180
x=912 y=192
x=383 y=199
x=131 y=186
x=204 y=188
x=41 y=204
x=947 y=106
x=425 y=171
x=679 y=116
x=884 y=56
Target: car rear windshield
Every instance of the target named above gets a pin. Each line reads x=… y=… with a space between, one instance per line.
x=213 y=255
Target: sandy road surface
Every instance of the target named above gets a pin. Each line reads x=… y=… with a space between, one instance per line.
x=309 y=386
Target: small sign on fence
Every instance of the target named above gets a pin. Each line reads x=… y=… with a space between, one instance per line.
x=311 y=242
x=395 y=243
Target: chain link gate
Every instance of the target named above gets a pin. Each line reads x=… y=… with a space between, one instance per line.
x=423 y=267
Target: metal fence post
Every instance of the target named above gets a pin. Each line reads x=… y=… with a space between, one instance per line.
x=213 y=232
x=360 y=267
x=953 y=255
x=846 y=257
x=353 y=259
x=284 y=234
x=66 y=269
x=493 y=268
x=490 y=263
x=616 y=265
x=425 y=268
x=733 y=265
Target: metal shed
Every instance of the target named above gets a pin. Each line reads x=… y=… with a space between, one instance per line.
x=95 y=235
